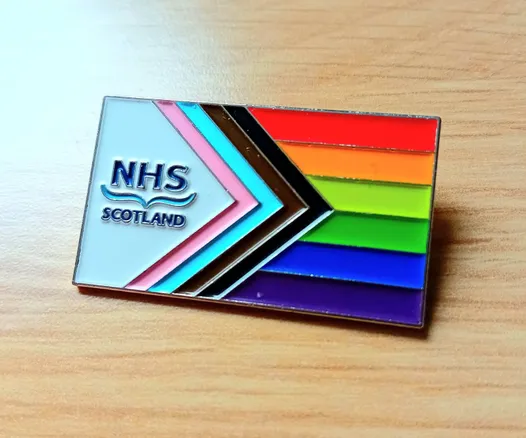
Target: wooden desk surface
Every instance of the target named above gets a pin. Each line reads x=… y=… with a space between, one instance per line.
x=86 y=365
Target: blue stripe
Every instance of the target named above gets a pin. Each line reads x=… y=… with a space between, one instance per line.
x=365 y=265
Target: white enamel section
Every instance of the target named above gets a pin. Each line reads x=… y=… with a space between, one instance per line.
x=112 y=254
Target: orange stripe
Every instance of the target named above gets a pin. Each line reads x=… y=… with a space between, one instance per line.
x=349 y=162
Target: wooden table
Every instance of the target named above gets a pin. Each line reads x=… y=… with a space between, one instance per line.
x=107 y=365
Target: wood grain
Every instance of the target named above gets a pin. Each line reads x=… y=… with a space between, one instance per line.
x=83 y=365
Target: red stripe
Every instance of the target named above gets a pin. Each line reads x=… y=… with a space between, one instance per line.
x=387 y=132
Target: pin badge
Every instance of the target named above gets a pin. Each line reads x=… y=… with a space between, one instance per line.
x=311 y=211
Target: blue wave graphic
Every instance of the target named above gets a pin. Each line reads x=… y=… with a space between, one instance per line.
x=174 y=202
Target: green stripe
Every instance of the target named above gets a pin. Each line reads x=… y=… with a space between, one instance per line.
x=378 y=232
x=359 y=196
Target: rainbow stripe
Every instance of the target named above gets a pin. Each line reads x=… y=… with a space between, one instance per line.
x=377 y=173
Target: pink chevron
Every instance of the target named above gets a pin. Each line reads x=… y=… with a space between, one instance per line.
x=245 y=202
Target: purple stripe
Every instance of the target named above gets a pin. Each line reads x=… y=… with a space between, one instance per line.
x=333 y=297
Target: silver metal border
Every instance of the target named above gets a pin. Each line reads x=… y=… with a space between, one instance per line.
x=262 y=306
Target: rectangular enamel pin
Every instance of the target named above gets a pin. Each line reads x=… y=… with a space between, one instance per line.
x=310 y=211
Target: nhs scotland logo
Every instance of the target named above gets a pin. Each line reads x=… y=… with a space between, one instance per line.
x=147 y=185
